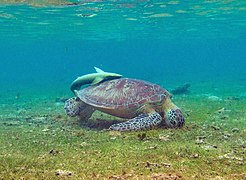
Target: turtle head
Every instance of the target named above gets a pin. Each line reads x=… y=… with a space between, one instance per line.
x=72 y=106
x=172 y=114
x=174 y=118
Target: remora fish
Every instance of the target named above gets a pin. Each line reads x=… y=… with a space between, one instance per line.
x=93 y=78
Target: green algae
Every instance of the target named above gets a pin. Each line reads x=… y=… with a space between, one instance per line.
x=38 y=141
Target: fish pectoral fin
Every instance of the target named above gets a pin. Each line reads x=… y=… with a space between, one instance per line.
x=97 y=80
x=98 y=70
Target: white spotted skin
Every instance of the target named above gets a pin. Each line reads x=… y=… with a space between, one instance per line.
x=175 y=118
x=141 y=122
x=72 y=107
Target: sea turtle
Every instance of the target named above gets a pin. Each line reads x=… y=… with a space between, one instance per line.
x=144 y=104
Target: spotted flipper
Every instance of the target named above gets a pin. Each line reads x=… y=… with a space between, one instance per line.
x=141 y=122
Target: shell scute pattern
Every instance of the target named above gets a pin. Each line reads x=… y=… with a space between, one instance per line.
x=122 y=93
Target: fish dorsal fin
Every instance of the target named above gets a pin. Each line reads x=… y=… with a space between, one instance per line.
x=97 y=80
x=98 y=70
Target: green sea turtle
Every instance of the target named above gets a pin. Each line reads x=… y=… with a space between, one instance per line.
x=144 y=104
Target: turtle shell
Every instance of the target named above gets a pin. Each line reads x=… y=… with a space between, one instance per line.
x=122 y=94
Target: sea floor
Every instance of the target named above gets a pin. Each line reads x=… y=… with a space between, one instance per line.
x=38 y=141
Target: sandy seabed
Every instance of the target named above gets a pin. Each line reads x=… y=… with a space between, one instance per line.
x=38 y=141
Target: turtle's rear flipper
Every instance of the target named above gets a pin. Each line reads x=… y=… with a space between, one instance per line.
x=75 y=107
x=141 y=122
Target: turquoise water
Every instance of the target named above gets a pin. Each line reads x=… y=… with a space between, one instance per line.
x=162 y=41
x=46 y=44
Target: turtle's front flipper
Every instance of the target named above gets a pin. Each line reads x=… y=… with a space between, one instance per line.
x=141 y=122
x=75 y=107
